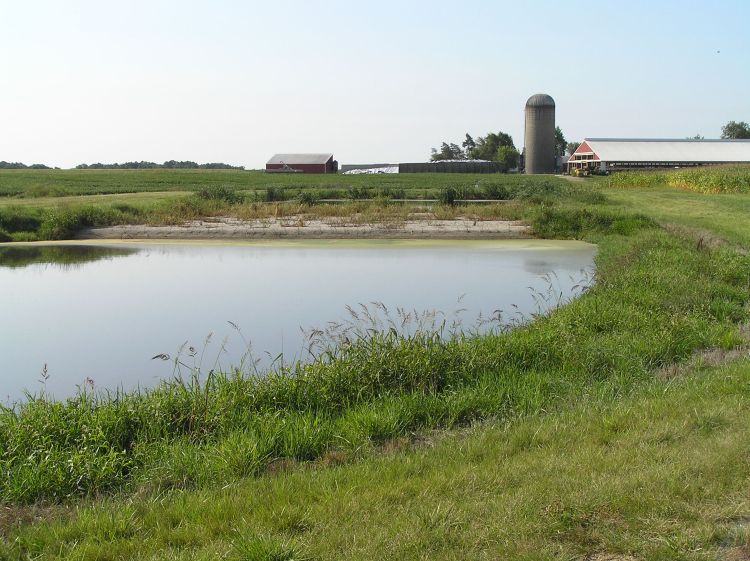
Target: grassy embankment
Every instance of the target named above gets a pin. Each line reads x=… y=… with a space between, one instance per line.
x=658 y=475
x=25 y=215
x=587 y=451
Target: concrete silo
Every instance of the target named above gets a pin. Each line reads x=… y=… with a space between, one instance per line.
x=539 y=137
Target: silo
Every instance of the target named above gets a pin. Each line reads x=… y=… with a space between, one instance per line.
x=540 y=134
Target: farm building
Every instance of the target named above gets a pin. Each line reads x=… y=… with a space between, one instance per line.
x=452 y=166
x=302 y=163
x=611 y=154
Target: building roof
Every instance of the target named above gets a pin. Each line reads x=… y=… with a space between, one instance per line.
x=668 y=150
x=540 y=100
x=297 y=159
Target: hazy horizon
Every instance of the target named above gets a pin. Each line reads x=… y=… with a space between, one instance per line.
x=236 y=82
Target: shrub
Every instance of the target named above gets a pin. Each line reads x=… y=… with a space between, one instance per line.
x=18 y=219
x=496 y=191
x=308 y=198
x=274 y=194
x=448 y=196
x=64 y=223
x=358 y=193
x=219 y=193
x=391 y=193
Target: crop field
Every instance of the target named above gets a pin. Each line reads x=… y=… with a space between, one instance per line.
x=713 y=179
x=61 y=183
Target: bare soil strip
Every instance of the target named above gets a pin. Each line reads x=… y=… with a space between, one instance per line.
x=298 y=228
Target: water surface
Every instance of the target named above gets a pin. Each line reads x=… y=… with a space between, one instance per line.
x=96 y=314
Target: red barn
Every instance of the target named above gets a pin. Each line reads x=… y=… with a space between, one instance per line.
x=302 y=163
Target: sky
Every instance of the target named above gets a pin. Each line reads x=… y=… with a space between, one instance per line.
x=85 y=81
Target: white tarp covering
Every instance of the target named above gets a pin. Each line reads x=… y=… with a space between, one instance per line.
x=372 y=171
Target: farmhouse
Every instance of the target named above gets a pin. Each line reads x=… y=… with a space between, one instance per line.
x=302 y=163
x=610 y=154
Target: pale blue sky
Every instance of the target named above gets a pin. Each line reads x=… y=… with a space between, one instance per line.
x=86 y=81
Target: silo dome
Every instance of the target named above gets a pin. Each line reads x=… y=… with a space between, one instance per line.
x=540 y=100
x=539 y=138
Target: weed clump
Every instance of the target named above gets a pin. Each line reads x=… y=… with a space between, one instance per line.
x=559 y=223
x=308 y=199
x=19 y=220
x=273 y=195
x=358 y=193
x=219 y=193
x=448 y=196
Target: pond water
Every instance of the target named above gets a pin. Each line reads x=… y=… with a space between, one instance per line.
x=96 y=314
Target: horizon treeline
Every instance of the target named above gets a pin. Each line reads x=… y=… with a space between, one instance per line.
x=19 y=165
x=169 y=164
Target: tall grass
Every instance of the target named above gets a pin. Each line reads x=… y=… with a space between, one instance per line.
x=719 y=179
x=657 y=299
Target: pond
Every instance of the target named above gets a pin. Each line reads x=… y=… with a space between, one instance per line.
x=96 y=314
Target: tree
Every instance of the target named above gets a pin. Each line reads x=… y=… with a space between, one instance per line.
x=494 y=147
x=448 y=152
x=560 y=143
x=468 y=144
x=508 y=156
x=734 y=130
x=487 y=146
x=571 y=147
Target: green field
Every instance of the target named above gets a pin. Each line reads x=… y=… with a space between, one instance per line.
x=616 y=428
x=62 y=183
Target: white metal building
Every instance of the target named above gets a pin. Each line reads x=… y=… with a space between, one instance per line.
x=608 y=154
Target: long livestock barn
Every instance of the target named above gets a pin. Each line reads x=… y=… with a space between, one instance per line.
x=610 y=154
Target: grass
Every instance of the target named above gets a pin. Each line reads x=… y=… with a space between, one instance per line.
x=573 y=448
x=723 y=215
x=659 y=474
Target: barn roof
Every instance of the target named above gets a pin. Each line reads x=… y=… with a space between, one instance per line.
x=668 y=150
x=296 y=159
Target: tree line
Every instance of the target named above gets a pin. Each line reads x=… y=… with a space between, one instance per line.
x=494 y=147
x=19 y=165
x=170 y=164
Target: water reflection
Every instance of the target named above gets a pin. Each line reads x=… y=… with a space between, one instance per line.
x=15 y=257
